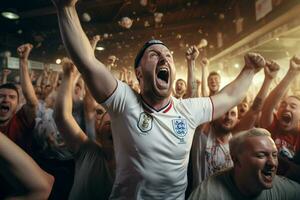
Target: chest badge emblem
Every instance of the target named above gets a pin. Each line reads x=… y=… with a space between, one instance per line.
x=180 y=128
x=145 y=122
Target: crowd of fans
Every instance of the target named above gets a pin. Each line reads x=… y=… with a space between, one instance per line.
x=90 y=133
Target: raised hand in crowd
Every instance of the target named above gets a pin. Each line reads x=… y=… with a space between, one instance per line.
x=295 y=64
x=24 y=51
x=5 y=74
x=283 y=121
x=99 y=80
x=205 y=91
x=65 y=122
x=278 y=92
x=235 y=91
x=271 y=69
x=191 y=55
x=94 y=41
x=254 y=61
x=91 y=170
x=252 y=116
x=26 y=84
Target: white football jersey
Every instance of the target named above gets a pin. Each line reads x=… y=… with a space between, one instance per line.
x=152 y=146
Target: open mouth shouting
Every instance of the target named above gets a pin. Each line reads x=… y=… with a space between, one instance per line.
x=286 y=118
x=4 y=109
x=267 y=176
x=163 y=75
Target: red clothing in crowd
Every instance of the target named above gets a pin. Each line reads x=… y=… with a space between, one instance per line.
x=286 y=142
x=19 y=129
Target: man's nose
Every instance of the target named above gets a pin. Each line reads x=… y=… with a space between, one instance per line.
x=272 y=161
x=288 y=108
x=226 y=115
x=162 y=59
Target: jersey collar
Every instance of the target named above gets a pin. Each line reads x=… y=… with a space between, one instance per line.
x=150 y=109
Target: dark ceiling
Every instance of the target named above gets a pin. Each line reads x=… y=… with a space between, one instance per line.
x=184 y=22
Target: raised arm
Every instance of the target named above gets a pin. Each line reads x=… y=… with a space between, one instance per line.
x=191 y=55
x=27 y=87
x=65 y=122
x=124 y=72
x=5 y=74
x=94 y=41
x=129 y=77
x=278 y=92
x=204 y=74
x=22 y=172
x=235 y=91
x=99 y=80
x=248 y=121
x=88 y=100
x=89 y=112
x=198 y=87
x=54 y=80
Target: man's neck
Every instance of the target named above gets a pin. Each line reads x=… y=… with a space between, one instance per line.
x=156 y=104
x=223 y=139
x=179 y=96
x=211 y=93
x=4 y=122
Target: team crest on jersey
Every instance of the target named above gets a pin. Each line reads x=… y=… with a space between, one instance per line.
x=180 y=128
x=145 y=122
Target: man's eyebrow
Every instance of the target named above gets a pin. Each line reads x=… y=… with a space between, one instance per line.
x=148 y=50
x=159 y=52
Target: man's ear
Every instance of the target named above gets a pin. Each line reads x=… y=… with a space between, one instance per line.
x=138 y=73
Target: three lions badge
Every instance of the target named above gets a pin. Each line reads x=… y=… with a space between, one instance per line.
x=180 y=128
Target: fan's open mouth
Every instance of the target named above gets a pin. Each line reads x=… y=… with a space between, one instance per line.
x=163 y=74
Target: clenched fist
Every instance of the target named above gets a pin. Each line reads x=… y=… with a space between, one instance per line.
x=192 y=53
x=295 y=64
x=6 y=72
x=24 y=50
x=68 y=66
x=271 y=69
x=254 y=61
x=96 y=38
x=204 y=62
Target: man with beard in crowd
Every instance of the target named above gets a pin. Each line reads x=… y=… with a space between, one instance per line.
x=210 y=150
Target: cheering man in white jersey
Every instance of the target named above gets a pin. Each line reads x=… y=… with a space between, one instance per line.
x=152 y=131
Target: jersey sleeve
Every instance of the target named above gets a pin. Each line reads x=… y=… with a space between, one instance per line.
x=121 y=99
x=200 y=109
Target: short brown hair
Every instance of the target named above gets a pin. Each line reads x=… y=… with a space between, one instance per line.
x=213 y=73
x=10 y=86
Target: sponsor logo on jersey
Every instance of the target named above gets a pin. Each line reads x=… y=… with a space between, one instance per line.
x=145 y=122
x=180 y=128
